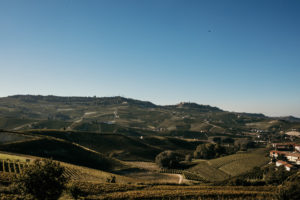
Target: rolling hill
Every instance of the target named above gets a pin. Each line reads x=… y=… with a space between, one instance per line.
x=61 y=150
x=113 y=114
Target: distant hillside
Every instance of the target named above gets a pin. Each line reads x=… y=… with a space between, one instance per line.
x=202 y=108
x=116 y=114
x=82 y=100
x=288 y=118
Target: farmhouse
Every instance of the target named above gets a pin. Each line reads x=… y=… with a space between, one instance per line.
x=287 y=166
x=275 y=154
x=297 y=147
x=284 y=146
x=293 y=157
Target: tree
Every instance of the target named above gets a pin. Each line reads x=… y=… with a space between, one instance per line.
x=219 y=150
x=43 y=180
x=168 y=159
x=217 y=140
x=290 y=190
x=188 y=158
x=228 y=140
x=281 y=157
x=275 y=176
x=205 y=151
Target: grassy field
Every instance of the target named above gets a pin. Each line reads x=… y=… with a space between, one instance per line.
x=13 y=122
x=6 y=137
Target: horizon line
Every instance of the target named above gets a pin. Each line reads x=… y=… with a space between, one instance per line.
x=241 y=112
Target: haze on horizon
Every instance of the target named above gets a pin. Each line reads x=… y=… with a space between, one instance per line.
x=240 y=56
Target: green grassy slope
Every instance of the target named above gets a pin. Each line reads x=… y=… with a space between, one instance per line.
x=13 y=122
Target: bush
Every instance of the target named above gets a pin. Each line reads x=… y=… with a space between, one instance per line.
x=188 y=158
x=228 y=140
x=42 y=180
x=168 y=159
x=277 y=176
x=290 y=191
x=75 y=191
x=205 y=151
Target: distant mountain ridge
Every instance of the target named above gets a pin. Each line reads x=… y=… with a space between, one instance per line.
x=75 y=99
x=108 y=100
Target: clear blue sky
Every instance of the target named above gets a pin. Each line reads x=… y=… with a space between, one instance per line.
x=241 y=55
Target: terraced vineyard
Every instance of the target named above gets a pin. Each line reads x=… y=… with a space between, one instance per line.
x=16 y=167
x=208 y=172
x=187 y=174
x=8 y=168
x=222 y=168
x=240 y=163
x=190 y=192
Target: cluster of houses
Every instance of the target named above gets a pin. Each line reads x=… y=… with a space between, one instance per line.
x=286 y=154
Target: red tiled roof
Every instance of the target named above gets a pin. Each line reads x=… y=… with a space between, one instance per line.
x=284 y=163
x=279 y=152
x=288 y=165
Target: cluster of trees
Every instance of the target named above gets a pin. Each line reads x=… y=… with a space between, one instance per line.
x=221 y=147
x=276 y=176
x=290 y=190
x=270 y=175
x=241 y=144
x=168 y=159
x=209 y=151
x=226 y=140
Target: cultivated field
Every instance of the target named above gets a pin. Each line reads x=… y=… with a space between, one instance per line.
x=228 y=166
x=14 y=164
x=183 y=192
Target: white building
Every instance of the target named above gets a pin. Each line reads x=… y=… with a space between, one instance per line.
x=287 y=166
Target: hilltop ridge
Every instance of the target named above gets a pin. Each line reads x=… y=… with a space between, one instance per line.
x=119 y=114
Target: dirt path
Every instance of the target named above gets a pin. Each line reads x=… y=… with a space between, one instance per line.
x=180 y=178
x=151 y=173
x=22 y=126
